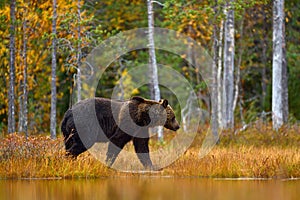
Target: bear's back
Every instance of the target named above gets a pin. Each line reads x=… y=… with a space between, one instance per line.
x=101 y=105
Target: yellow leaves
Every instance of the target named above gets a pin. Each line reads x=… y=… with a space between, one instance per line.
x=5 y=12
x=120 y=20
x=194 y=22
x=60 y=95
x=190 y=22
x=2 y=111
x=3 y=50
x=124 y=73
x=286 y=19
x=38 y=15
x=185 y=68
x=35 y=18
x=135 y=91
x=30 y=82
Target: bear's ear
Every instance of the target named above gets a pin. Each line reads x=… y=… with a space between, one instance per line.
x=139 y=99
x=164 y=103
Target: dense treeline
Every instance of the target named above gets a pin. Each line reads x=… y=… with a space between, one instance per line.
x=82 y=25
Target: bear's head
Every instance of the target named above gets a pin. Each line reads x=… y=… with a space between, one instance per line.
x=171 y=122
x=154 y=113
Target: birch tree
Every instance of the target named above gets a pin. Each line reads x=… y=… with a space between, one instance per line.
x=219 y=74
x=214 y=97
x=279 y=77
x=25 y=75
x=23 y=102
x=154 y=87
x=78 y=75
x=152 y=56
x=53 y=74
x=228 y=74
x=11 y=91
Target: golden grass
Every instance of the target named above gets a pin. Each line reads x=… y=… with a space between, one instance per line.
x=257 y=153
x=236 y=162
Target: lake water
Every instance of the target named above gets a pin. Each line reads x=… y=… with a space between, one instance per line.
x=140 y=188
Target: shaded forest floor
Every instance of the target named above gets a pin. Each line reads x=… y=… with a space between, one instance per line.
x=257 y=152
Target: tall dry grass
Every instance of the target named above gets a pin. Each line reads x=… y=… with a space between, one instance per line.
x=257 y=152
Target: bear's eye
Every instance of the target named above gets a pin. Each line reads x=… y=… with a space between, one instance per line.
x=173 y=119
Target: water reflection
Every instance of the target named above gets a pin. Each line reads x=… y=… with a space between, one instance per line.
x=147 y=188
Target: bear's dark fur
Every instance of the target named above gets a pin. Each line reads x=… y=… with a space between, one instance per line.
x=117 y=122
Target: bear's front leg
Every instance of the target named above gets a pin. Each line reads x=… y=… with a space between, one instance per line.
x=141 y=147
x=116 y=144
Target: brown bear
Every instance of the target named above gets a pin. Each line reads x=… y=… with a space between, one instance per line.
x=117 y=122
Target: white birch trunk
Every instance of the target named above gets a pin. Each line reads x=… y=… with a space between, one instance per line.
x=277 y=90
x=25 y=87
x=11 y=91
x=214 y=95
x=53 y=74
x=20 y=111
x=152 y=57
x=23 y=99
x=152 y=60
x=78 y=75
x=187 y=111
x=122 y=68
x=78 y=83
x=219 y=75
x=238 y=70
x=228 y=74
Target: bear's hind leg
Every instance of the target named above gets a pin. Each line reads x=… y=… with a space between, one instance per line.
x=73 y=145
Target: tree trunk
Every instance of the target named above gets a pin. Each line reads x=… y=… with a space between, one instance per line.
x=23 y=98
x=152 y=60
x=285 y=94
x=78 y=75
x=228 y=74
x=186 y=112
x=25 y=87
x=238 y=99
x=20 y=111
x=53 y=74
x=277 y=76
x=11 y=90
x=219 y=75
x=152 y=57
x=238 y=67
x=122 y=88
x=214 y=95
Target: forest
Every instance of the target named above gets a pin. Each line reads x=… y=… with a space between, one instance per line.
x=154 y=49
x=83 y=25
